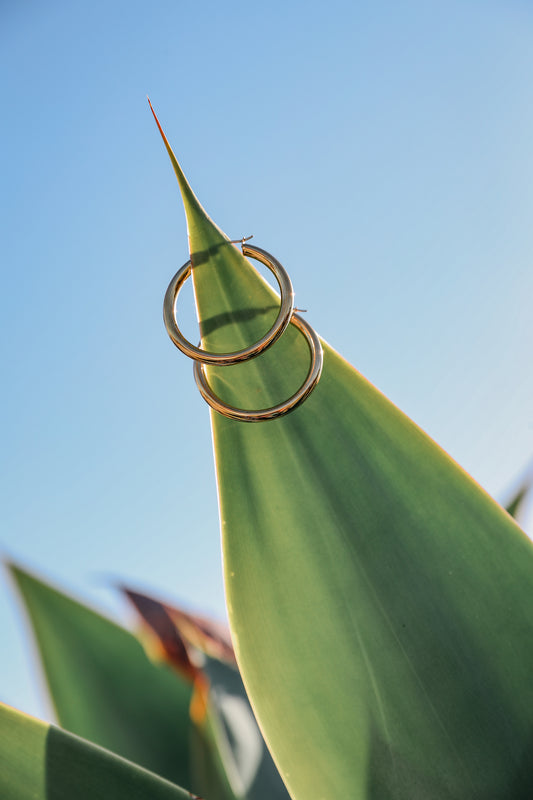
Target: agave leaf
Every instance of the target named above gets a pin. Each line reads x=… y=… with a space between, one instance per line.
x=379 y=600
x=515 y=506
x=42 y=762
x=103 y=686
x=229 y=751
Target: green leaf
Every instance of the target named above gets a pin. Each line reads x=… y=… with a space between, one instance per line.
x=41 y=762
x=515 y=506
x=103 y=686
x=230 y=755
x=22 y=755
x=379 y=600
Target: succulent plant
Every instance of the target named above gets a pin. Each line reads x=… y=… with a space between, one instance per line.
x=378 y=600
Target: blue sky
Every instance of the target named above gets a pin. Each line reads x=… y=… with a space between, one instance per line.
x=382 y=151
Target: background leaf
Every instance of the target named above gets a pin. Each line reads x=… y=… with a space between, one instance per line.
x=41 y=762
x=103 y=686
x=515 y=506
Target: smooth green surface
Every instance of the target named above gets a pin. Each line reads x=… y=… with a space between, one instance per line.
x=380 y=601
x=103 y=686
x=41 y=762
x=22 y=755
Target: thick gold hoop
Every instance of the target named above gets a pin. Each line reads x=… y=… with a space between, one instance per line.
x=313 y=376
x=223 y=359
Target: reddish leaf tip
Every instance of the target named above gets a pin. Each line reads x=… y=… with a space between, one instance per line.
x=158 y=123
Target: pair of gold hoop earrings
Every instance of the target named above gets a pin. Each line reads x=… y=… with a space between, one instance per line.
x=285 y=316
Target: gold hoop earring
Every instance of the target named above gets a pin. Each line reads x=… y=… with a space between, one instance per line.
x=249 y=415
x=224 y=359
x=285 y=316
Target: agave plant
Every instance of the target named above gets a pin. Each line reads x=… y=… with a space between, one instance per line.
x=378 y=601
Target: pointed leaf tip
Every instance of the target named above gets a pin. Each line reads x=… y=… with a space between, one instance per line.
x=515 y=507
x=161 y=131
x=194 y=211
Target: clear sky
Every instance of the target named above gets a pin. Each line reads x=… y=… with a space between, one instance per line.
x=382 y=151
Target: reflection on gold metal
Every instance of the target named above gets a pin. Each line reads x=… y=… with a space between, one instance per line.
x=223 y=359
x=279 y=410
x=285 y=316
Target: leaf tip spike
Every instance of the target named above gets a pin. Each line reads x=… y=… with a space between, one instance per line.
x=194 y=211
x=158 y=124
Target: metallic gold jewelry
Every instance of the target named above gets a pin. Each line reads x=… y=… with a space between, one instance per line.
x=223 y=359
x=285 y=316
x=279 y=410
